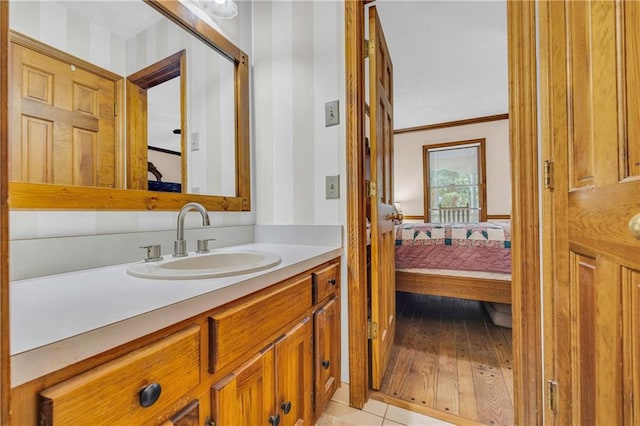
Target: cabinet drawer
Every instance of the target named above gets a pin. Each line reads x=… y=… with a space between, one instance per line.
x=326 y=282
x=112 y=393
x=246 y=328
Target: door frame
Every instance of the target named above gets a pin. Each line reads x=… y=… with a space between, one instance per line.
x=5 y=368
x=523 y=133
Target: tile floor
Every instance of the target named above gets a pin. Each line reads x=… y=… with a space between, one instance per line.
x=374 y=413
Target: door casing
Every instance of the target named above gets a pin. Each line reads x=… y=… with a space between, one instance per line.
x=527 y=355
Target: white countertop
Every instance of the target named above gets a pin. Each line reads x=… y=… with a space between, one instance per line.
x=61 y=319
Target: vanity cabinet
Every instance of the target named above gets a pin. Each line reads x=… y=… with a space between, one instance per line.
x=271 y=356
x=273 y=387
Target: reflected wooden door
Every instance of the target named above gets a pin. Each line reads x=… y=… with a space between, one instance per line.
x=62 y=122
x=591 y=121
x=383 y=285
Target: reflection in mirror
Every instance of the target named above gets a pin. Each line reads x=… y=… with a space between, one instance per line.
x=139 y=120
x=210 y=107
x=64 y=123
x=213 y=125
x=164 y=137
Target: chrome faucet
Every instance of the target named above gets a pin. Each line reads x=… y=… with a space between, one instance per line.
x=180 y=245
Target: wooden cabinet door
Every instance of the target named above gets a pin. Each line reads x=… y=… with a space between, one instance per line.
x=326 y=353
x=246 y=396
x=294 y=375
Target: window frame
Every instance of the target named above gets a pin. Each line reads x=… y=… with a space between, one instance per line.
x=482 y=185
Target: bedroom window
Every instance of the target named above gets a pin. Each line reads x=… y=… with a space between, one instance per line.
x=454 y=182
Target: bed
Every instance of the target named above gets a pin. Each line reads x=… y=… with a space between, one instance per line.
x=465 y=260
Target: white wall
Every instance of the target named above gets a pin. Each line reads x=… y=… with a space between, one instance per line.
x=408 y=167
x=298 y=65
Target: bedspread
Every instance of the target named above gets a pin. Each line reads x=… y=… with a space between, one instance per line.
x=484 y=246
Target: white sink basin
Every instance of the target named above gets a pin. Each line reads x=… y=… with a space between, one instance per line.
x=210 y=265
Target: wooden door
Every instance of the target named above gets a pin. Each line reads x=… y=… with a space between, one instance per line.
x=294 y=375
x=63 y=124
x=383 y=288
x=326 y=353
x=246 y=397
x=590 y=61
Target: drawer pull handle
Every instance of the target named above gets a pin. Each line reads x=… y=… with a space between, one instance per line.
x=325 y=364
x=149 y=394
x=274 y=420
x=332 y=281
x=286 y=407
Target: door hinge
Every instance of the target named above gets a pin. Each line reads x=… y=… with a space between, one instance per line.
x=552 y=395
x=366 y=48
x=548 y=174
x=115 y=110
x=371 y=188
x=372 y=330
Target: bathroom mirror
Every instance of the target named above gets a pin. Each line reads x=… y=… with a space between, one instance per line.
x=211 y=75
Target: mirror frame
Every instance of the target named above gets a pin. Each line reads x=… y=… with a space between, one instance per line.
x=24 y=195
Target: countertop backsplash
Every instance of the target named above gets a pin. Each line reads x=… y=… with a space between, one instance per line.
x=51 y=242
x=46 y=256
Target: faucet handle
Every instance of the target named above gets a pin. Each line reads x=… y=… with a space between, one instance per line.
x=203 y=245
x=153 y=253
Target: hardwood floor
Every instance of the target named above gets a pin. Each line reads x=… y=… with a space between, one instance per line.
x=449 y=356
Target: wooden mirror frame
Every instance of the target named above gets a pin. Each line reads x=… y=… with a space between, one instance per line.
x=24 y=195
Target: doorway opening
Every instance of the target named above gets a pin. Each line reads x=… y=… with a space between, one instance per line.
x=525 y=221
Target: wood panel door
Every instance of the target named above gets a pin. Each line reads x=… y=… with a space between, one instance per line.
x=383 y=288
x=591 y=132
x=63 y=124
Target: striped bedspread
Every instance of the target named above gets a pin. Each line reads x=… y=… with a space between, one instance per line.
x=484 y=246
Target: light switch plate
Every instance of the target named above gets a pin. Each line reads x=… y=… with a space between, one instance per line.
x=332 y=187
x=331 y=113
x=195 y=141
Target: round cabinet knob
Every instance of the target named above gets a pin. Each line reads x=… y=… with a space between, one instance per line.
x=332 y=281
x=286 y=407
x=634 y=226
x=325 y=364
x=274 y=420
x=149 y=394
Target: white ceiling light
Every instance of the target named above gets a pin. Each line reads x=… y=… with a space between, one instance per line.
x=225 y=9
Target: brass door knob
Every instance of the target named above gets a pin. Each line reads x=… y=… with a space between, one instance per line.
x=394 y=216
x=634 y=226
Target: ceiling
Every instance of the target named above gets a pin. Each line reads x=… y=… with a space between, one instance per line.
x=123 y=18
x=449 y=56
x=449 y=59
